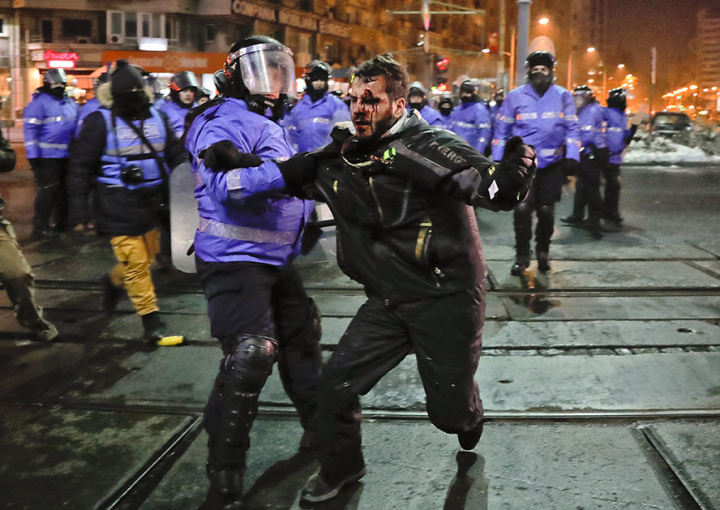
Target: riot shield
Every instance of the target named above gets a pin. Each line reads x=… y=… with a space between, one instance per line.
x=183 y=217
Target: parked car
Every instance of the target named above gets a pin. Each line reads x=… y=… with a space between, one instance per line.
x=670 y=123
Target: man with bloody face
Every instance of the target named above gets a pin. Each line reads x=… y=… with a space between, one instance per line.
x=402 y=193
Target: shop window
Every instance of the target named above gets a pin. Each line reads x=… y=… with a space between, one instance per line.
x=76 y=28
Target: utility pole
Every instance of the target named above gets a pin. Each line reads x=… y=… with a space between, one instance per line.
x=653 y=66
x=521 y=50
x=501 y=47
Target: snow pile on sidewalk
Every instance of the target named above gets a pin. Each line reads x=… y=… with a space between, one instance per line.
x=663 y=151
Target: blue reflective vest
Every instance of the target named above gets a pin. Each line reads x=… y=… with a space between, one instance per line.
x=49 y=126
x=549 y=123
x=309 y=124
x=266 y=229
x=91 y=106
x=124 y=148
x=591 y=121
x=617 y=133
x=472 y=123
x=430 y=115
x=176 y=114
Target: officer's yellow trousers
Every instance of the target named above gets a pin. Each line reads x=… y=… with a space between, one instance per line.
x=134 y=255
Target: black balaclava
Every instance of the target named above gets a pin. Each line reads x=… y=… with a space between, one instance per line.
x=316 y=75
x=127 y=87
x=445 y=106
x=56 y=92
x=468 y=86
x=416 y=99
x=539 y=81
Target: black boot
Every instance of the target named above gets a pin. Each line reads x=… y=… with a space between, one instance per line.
x=225 y=492
x=543 y=259
x=152 y=327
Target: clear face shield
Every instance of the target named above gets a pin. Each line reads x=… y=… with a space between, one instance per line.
x=267 y=69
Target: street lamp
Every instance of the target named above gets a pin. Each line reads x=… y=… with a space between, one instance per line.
x=544 y=20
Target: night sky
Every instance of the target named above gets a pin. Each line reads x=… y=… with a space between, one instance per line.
x=635 y=26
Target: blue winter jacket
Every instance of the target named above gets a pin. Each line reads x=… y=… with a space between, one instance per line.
x=549 y=123
x=617 y=134
x=309 y=124
x=267 y=228
x=91 y=106
x=431 y=115
x=49 y=126
x=472 y=122
x=591 y=121
x=176 y=114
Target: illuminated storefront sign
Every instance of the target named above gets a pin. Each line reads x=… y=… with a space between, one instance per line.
x=66 y=60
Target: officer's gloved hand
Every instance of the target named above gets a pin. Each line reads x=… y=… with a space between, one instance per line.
x=298 y=171
x=223 y=156
x=571 y=167
x=35 y=164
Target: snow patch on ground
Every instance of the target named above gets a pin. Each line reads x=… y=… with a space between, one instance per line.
x=662 y=151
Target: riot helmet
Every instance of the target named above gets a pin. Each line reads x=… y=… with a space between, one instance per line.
x=468 y=92
x=220 y=81
x=417 y=96
x=202 y=95
x=261 y=72
x=53 y=77
x=317 y=74
x=445 y=105
x=582 y=95
x=541 y=52
x=180 y=85
x=617 y=98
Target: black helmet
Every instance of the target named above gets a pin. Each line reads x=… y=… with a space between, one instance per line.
x=54 y=77
x=318 y=70
x=246 y=70
x=617 y=98
x=184 y=80
x=202 y=92
x=445 y=105
x=469 y=87
x=582 y=95
x=100 y=80
x=220 y=81
x=541 y=52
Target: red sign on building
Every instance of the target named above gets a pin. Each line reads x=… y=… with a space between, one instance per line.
x=55 y=60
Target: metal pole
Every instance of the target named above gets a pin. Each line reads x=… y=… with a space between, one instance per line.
x=501 y=42
x=569 y=71
x=653 y=65
x=521 y=51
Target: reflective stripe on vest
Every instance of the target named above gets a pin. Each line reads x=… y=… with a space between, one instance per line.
x=255 y=235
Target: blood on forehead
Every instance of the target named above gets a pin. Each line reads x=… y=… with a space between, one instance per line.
x=373 y=86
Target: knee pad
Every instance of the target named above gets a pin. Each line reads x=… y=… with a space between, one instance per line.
x=523 y=211
x=546 y=213
x=249 y=363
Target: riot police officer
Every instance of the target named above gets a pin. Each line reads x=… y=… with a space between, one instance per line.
x=417 y=100
x=49 y=127
x=445 y=108
x=258 y=308
x=126 y=147
x=310 y=121
x=592 y=155
x=618 y=137
x=183 y=89
x=544 y=115
x=470 y=119
x=15 y=273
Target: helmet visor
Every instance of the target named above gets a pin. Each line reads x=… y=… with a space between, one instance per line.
x=55 y=77
x=267 y=69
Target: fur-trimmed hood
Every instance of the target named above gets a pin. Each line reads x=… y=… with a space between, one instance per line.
x=104 y=95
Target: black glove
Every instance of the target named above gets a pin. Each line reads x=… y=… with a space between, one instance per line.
x=298 y=171
x=571 y=167
x=223 y=156
x=35 y=164
x=517 y=167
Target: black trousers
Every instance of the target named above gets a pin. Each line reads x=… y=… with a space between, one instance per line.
x=250 y=299
x=446 y=335
x=545 y=191
x=611 y=200
x=51 y=201
x=587 y=189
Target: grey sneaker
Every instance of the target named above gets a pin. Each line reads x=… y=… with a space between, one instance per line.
x=317 y=489
x=44 y=331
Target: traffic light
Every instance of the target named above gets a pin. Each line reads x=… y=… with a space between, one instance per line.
x=441 y=64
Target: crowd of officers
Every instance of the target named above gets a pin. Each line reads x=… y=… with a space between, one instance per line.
x=402 y=180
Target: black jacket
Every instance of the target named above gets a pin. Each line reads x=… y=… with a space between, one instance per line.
x=406 y=227
x=120 y=210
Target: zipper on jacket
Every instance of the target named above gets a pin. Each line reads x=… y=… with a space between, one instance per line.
x=377 y=202
x=422 y=247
